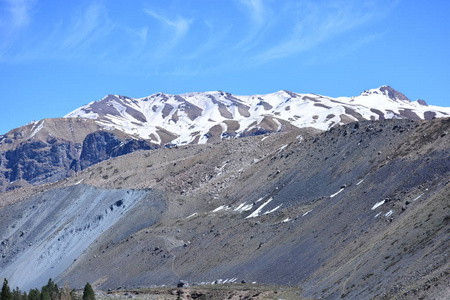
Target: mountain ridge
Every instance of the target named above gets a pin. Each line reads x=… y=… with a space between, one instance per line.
x=202 y=117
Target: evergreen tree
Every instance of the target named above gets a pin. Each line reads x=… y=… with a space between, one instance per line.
x=17 y=294
x=50 y=291
x=34 y=294
x=88 y=293
x=6 y=291
x=45 y=295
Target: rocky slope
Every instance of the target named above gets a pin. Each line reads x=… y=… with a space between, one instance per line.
x=358 y=212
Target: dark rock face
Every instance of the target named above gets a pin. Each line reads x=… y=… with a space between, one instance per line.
x=393 y=94
x=429 y=115
x=422 y=102
x=41 y=162
x=101 y=145
x=97 y=147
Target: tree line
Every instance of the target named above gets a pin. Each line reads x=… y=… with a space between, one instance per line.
x=50 y=291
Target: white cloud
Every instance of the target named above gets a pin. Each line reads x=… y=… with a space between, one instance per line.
x=15 y=16
x=314 y=23
x=67 y=37
x=19 y=11
x=257 y=10
x=260 y=17
x=88 y=27
x=179 y=27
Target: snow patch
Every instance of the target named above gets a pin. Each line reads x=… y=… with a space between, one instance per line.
x=258 y=210
x=378 y=204
x=278 y=124
x=220 y=169
x=331 y=196
x=79 y=182
x=239 y=207
x=307 y=212
x=273 y=210
x=119 y=107
x=243 y=207
x=418 y=197
x=190 y=216
x=282 y=148
x=219 y=208
x=37 y=129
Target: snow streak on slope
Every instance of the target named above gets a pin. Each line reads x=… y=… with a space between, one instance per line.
x=212 y=116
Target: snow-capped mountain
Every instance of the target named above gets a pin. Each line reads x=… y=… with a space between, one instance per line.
x=210 y=116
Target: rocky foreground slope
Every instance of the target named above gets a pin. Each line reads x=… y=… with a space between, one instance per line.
x=358 y=212
x=52 y=149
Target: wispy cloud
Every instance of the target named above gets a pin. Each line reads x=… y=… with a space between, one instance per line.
x=68 y=37
x=260 y=19
x=178 y=27
x=248 y=33
x=15 y=16
x=257 y=10
x=342 y=51
x=19 y=12
x=315 y=23
x=87 y=27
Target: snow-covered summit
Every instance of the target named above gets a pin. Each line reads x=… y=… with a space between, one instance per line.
x=201 y=117
x=387 y=91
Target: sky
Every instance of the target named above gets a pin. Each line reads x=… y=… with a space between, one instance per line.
x=56 y=56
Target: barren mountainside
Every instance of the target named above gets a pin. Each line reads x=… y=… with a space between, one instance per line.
x=358 y=212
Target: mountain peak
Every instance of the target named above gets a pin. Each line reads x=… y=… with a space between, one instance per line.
x=393 y=94
x=387 y=91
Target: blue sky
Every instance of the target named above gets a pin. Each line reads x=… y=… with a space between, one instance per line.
x=58 y=55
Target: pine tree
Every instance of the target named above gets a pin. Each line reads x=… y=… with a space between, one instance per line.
x=88 y=293
x=50 y=291
x=17 y=294
x=45 y=294
x=6 y=291
x=34 y=294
